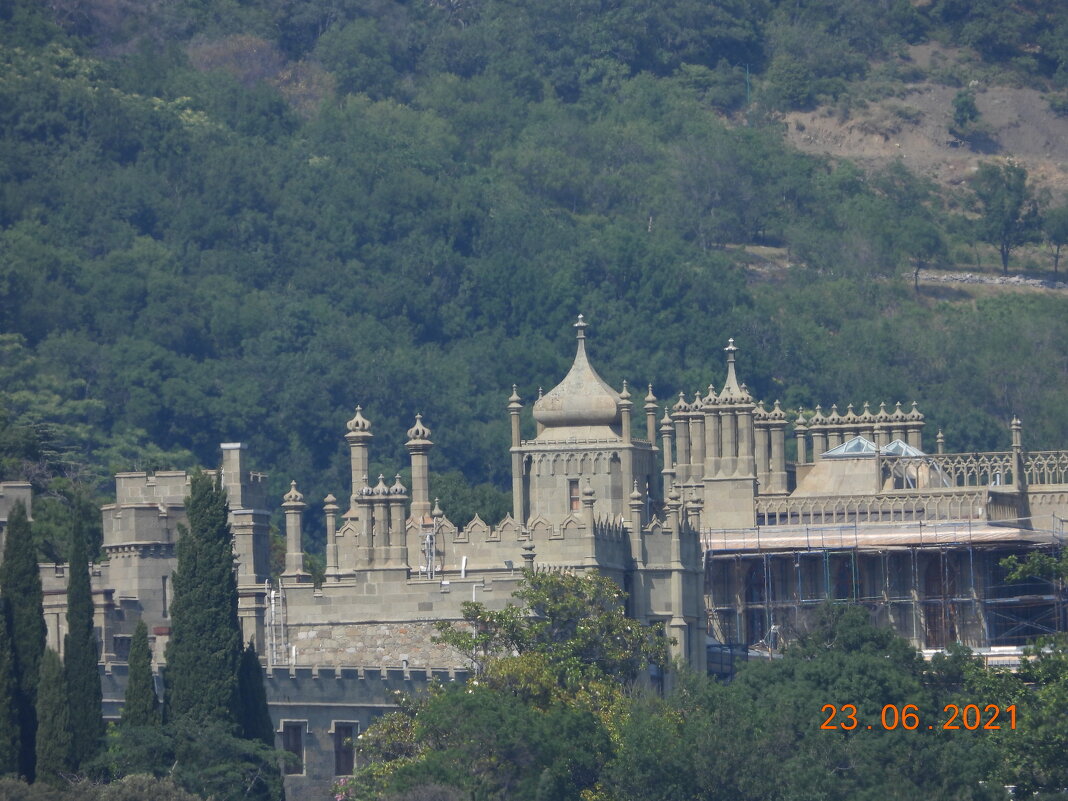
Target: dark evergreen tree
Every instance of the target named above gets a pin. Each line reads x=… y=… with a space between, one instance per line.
x=80 y=655
x=54 y=742
x=9 y=719
x=141 y=707
x=20 y=587
x=254 y=716
x=205 y=645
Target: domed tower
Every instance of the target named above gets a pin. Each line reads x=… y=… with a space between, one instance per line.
x=584 y=438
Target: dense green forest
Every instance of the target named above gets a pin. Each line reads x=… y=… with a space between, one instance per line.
x=850 y=711
x=233 y=221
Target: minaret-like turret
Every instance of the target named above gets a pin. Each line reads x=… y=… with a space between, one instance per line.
x=359 y=438
x=419 y=446
x=294 y=506
x=519 y=495
x=650 y=415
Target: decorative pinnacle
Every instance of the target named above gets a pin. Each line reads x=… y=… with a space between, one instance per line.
x=730 y=349
x=650 y=398
x=514 y=398
x=587 y=492
x=293 y=496
x=359 y=423
x=665 y=421
x=581 y=327
x=329 y=501
x=625 y=394
x=418 y=431
x=397 y=488
x=436 y=511
x=380 y=488
x=636 y=494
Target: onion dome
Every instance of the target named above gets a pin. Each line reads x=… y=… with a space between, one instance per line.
x=582 y=399
x=436 y=511
x=380 y=488
x=625 y=394
x=898 y=416
x=587 y=491
x=866 y=416
x=799 y=423
x=665 y=423
x=914 y=416
x=514 y=401
x=777 y=413
x=834 y=418
x=419 y=431
x=359 y=423
x=635 y=494
x=850 y=417
x=366 y=488
x=293 y=496
x=397 y=488
x=882 y=416
x=650 y=400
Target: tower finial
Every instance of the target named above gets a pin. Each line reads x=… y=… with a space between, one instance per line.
x=581 y=327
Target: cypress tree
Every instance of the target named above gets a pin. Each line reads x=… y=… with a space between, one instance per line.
x=141 y=707
x=20 y=587
x=80 y=656
x=9 y=719
x=255 y=718
x=53 y=722
x=205 y=644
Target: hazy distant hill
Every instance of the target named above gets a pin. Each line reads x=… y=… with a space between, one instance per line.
x=235 y=221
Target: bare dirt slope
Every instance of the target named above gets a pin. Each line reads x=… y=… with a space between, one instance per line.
x=914 y=126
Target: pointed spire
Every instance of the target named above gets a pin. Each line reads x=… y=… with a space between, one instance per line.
x=731 y=389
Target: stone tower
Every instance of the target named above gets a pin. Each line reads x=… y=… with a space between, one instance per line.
x=584 y=440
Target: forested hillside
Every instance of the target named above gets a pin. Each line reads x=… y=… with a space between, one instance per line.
x=233 y=221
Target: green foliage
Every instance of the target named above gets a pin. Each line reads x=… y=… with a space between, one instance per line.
x=140 y=707
x=206 y=759
x=576 y=622
x=254 y=716
x=1055 y=232
x=205 y=645
x=9 y=710
x=54 y=735
x=81 y=676
x=1008 y=212
x=20 y=591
